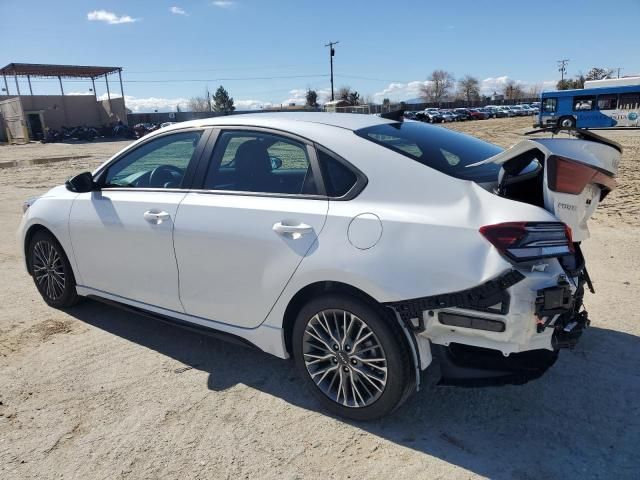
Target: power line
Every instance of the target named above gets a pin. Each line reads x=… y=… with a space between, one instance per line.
x=220 y=79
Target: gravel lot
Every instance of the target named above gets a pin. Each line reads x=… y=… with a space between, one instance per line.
x=96 y=392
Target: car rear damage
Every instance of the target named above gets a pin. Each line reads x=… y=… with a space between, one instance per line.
x=509 y=330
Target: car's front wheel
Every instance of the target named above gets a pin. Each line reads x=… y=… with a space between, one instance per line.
x=352 y=356
x=51 y=271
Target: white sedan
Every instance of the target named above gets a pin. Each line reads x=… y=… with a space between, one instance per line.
x=368 y=249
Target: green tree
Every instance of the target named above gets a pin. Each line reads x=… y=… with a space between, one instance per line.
x=312 y=98
x=354 y=98
x=571 y=83
x=222 y=102
x=597 y=73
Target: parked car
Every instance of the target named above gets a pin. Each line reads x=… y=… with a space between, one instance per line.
x=448 y=115
x=433 y=116
x=478 y=114
x=368 y=249
x=526 y=109
x=507 y=109
x=495 y=112
x=519 y=111
x=463 y=114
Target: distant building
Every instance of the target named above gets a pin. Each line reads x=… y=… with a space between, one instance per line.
x=25 y=116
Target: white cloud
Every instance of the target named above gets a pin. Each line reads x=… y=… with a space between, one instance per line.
x=109 y=17
x=224 y=3
x=250 y=104
x=299 y=96
x=178 y=11
x=400 y=91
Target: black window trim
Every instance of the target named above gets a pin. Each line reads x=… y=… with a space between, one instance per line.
x=189 y=176
x=208 y=157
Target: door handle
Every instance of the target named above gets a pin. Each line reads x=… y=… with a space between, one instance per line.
x=156 y=218
x=296 y=231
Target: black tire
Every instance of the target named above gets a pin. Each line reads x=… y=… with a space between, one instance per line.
x=399 y=373
x=57 y=267
x=568 y=122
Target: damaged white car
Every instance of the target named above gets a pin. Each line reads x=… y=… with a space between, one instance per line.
x=368 y=249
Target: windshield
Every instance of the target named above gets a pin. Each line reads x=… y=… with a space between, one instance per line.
x=437 y=147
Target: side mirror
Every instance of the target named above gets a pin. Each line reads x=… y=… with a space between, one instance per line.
x=276 y=163
x=81 y=183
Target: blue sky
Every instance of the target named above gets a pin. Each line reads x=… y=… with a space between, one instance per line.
x=271 y=51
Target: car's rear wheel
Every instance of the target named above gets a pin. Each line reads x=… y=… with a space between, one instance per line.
x=51 y=271
x=352 y=356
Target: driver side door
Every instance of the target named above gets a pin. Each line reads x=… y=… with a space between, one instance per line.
x=122 y=232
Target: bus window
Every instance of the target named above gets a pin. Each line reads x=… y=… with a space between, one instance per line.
x=583 y=103
x=607 y=102
x=629 y=101
x=549 y=105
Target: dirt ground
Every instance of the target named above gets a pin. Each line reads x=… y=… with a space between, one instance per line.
x=96 y=392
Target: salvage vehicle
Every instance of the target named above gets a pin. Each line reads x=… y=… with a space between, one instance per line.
x=380 y=254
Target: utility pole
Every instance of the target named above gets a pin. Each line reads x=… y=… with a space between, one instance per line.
x=562 y=67
x=619 y=68
x=332 y=52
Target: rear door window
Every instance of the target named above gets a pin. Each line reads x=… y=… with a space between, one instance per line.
x=248 y=161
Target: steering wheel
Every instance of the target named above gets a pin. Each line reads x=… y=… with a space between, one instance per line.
x=163 y=174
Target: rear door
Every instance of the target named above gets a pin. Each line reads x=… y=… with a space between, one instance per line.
x=239 y=239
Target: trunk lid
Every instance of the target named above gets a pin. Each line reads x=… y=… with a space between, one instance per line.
x=567 y=176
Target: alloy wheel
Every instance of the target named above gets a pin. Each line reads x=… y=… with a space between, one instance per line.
x=48 y=269
x=344 y=358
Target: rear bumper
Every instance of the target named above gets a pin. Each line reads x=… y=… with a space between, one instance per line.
x=467 y=366
x=506 y=331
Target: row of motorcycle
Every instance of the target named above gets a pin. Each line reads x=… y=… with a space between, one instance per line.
x=89 y=134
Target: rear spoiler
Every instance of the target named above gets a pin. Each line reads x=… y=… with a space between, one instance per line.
x=580 y=133
x=397 y=115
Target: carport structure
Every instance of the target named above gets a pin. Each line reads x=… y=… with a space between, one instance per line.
x=25 y=115
x=39 y=70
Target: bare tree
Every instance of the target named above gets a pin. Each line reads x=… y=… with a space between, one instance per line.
x=439 y=87
x=534 y=90
x=343 y=93
x=469 y=88
x=513 y=90
x=198 y=104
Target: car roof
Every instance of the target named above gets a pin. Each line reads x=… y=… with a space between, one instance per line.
x=290 y=120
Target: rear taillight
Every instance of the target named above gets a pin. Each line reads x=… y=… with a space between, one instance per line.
x=524 y=241
x=568 y=176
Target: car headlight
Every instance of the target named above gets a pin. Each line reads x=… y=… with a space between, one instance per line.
x=27 y=203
